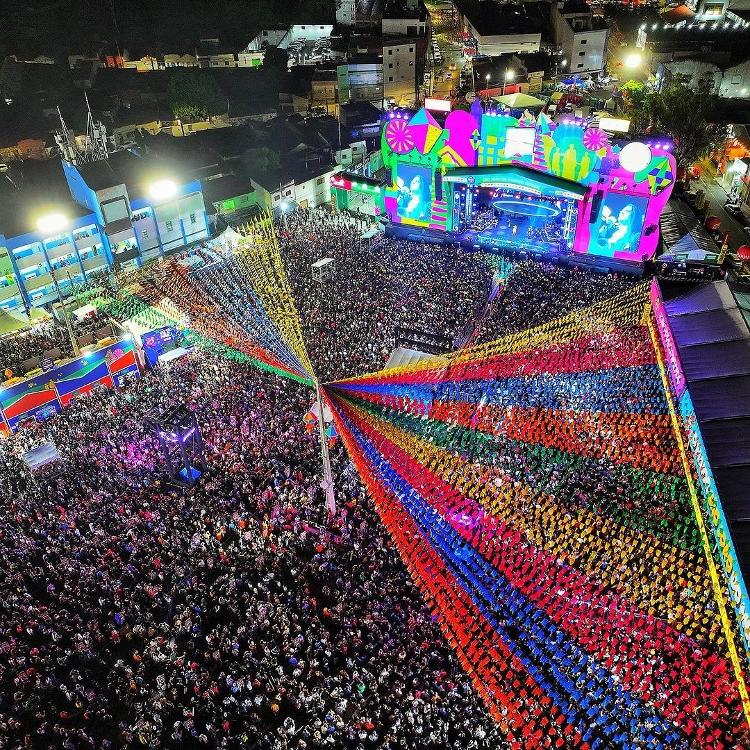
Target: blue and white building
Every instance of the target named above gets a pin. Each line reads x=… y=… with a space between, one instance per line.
x=117 y=214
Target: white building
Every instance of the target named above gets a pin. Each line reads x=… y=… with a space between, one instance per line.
x=346 y=12
x=283 y=37
x=731 y=82
x=400 y=71
x=501 y=28
x=580 y=35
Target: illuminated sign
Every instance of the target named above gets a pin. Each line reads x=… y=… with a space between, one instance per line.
x=614 y=124
x=437 y=105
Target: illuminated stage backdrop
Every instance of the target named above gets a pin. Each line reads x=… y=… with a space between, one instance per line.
x=620 y=187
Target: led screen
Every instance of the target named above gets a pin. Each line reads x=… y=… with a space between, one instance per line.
x=618 y=227
x=519 y=142
x=414 y=198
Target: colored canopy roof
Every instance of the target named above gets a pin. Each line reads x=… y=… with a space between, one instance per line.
x=710 y=327
x=519 y=100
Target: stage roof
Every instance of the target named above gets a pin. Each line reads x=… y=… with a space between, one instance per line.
x=711 y=327
x=520 y=177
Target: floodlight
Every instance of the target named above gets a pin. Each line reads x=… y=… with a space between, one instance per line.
x=633 y=60
x=52 y=223
x=163 y=190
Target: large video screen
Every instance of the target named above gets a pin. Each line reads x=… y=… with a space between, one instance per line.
x=618 y=228
x=414 y=198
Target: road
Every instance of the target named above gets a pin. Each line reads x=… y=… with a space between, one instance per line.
x=717 y=196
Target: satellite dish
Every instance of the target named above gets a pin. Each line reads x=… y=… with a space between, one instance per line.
x=3 y=168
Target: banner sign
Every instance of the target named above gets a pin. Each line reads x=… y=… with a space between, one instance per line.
x=46 y=394
x=717 y=520
x=673 y=364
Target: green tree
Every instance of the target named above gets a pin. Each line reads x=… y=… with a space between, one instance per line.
x=276 y=59
x=688 y=115
x=194 y=95
x=634 y=95
x=261 y=160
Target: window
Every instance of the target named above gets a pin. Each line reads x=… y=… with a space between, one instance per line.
x=390 y=65
x=581 y=54
x=193 y=219
x=390 y=79
x=169 y=226
x=319 y=181
x=411 y=49
x=288 y=192
x=390 y=51
x=580 y=65
x=144 y=234
x=583 y=41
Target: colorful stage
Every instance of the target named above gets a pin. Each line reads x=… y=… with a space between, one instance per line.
x=519 y=183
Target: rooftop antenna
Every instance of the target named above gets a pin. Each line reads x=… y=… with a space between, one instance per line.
x=96 y=137
x=65 y=141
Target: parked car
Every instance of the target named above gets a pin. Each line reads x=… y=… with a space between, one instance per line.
x=733 y=208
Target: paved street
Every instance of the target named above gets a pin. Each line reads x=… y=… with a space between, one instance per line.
x=717 y=197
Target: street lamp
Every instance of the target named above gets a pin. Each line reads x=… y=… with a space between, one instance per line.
x=633 y=60
x=509 y=76
x=51 y=224
x=163 y=190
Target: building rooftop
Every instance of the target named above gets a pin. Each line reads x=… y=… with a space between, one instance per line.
x=225 y=187
x=134 y=171
x=500 y=19
x=30 y=190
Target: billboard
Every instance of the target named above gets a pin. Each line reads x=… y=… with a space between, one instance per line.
x=414 y=193
x=46 y=394
x=619 y=225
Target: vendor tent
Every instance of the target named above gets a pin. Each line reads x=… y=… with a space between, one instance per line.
x=520 y=101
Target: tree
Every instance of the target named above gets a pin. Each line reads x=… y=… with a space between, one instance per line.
x=634 y=94
x=276 y=59
x=194 y=95
x=689 y=116
x=261 y=161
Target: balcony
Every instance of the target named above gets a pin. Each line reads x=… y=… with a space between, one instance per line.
x=95 y=262
x=29 y=261
x=84 y=243
x=8 y=292
x=126 y=255
x=60 y=251
x=36 y=282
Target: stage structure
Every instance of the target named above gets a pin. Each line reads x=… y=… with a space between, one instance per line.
x=523 y=183
x=322 y=270
x=181 y=443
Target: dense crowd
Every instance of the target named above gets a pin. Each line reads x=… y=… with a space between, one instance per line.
x=24 y=348
x=234 y=614
x=238 y=613
x=376 y=284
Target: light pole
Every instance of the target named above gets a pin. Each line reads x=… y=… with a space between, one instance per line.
x=326 y=483
x=509 y=76
x=49 y=225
